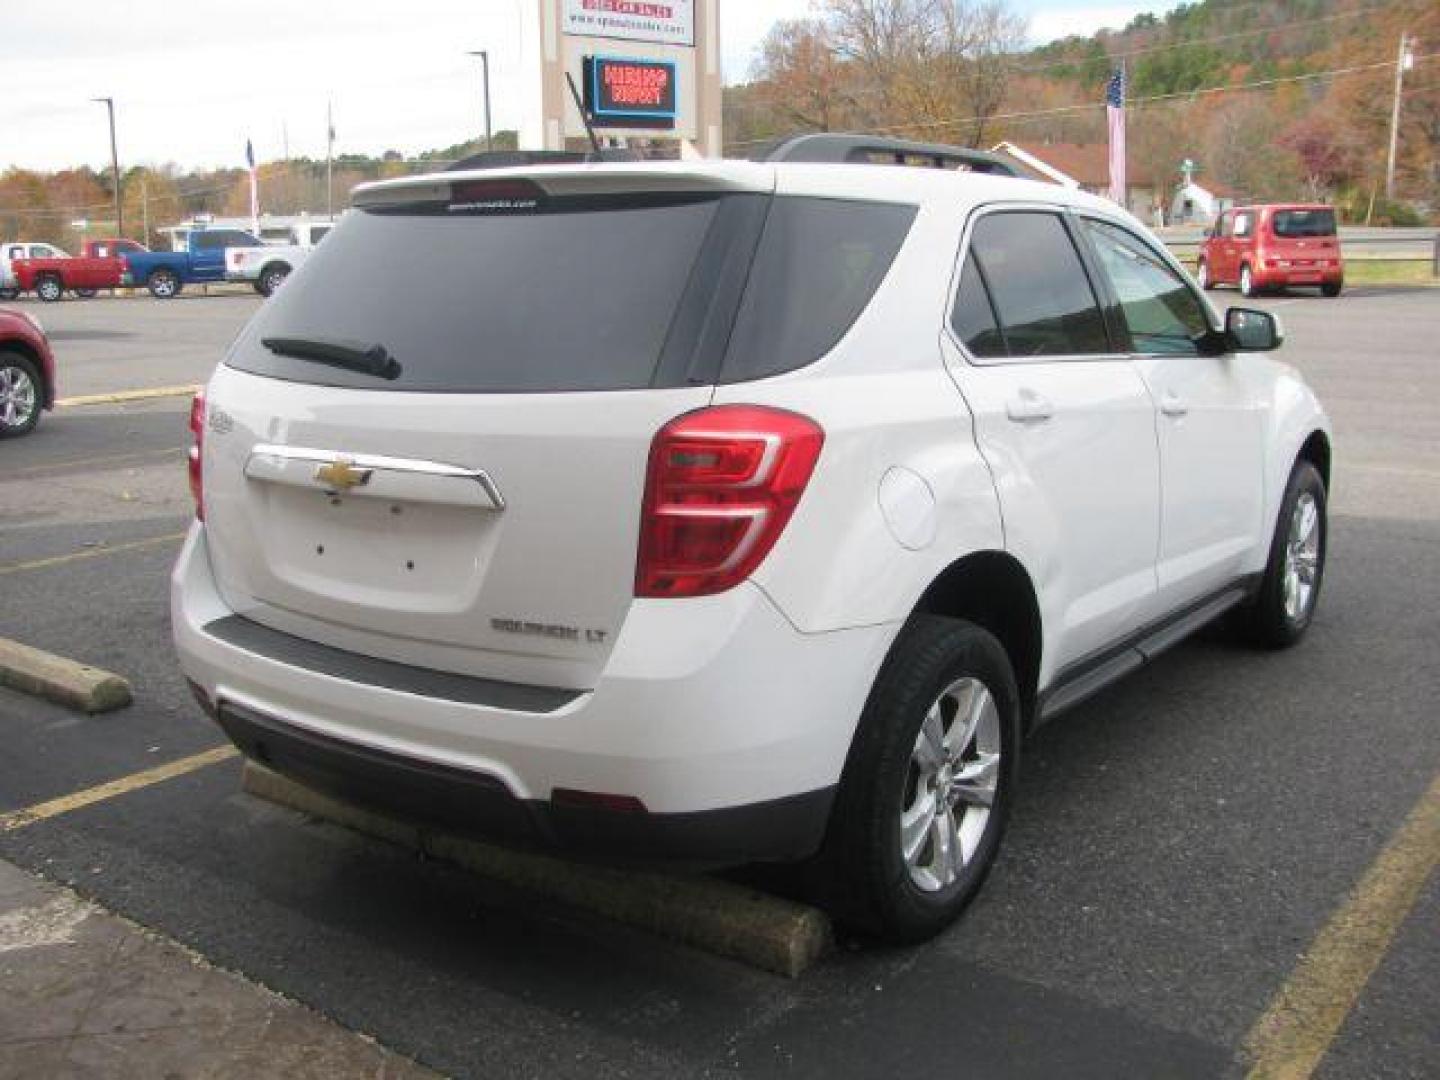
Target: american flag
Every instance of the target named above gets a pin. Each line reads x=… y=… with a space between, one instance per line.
x=254 y=187
x=1115 y=115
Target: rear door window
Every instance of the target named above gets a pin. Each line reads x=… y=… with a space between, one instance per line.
x=1299 y=224
x=973 y=318
x=1038 y=287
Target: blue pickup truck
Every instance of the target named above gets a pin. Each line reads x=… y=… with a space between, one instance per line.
x=165 y=273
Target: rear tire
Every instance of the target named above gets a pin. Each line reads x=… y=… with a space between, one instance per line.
x=1247 y=281
x=1282 y=610
x=9 y=294
x=49 y=288
x=163 y=284
x=928 y=783
x=1331 y=288
x=271 y=278
x=20 y=394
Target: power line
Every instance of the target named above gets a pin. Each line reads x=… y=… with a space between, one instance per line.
x=1023 y=68
x=1132 y=103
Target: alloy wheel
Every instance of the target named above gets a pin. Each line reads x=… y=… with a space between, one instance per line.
x=17 y=397
x=1302 y=558
x=950 y=786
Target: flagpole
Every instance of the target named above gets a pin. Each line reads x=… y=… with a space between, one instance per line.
x=330 y=160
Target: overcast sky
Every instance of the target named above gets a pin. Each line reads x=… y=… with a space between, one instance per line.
x=193 y=79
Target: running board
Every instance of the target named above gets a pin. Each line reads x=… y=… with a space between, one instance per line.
x=1089 y=677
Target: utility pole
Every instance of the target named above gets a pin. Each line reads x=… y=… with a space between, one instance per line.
x=484 y=56
x=115 y=165
x=1403 y=60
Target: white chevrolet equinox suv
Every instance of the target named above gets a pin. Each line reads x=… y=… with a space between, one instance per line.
x=723 y=512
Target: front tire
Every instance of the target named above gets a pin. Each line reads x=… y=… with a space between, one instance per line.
x=19 y=394
x=9 y=294
x=1285 y=605
x=928 y=784
x=163 y=284
x=49 y=288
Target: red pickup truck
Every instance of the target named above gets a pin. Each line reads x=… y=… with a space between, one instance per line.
x=100 y=265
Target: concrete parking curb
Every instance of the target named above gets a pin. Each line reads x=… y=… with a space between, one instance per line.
x=61 y=680
x=761 y=930
x=120 y=397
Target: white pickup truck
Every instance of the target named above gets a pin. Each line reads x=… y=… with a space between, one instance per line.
x=268 y=266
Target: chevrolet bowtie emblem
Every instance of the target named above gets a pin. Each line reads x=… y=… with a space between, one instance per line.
x=342 y=475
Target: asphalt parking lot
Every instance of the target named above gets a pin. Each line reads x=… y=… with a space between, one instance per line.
x=1179 y=844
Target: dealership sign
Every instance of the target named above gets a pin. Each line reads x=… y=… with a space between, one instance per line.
x=668 y=22
x=627 y=92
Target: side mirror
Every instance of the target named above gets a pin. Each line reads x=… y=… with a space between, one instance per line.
x=1248 y=330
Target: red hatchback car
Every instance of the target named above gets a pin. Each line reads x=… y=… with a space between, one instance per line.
x=27 y=373
x=1272 y=247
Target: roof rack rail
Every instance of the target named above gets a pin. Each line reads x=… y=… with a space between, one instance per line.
x=837 y=148
x=509 y=159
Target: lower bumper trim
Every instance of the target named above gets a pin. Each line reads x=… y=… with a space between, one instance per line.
x=472 y=803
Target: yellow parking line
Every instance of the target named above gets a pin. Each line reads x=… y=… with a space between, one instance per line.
x=90 y=553
x=121 y=396
x=18 y=819
x=103 y=459
x=1294 y=1033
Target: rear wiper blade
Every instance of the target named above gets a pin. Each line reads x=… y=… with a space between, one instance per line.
x=352 y=355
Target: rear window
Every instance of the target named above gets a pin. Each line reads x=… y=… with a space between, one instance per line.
x=1291 y=224
x=576 y=294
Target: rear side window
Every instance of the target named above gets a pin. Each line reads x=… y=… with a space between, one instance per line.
x=1293 y=224
x=565 y=295
x=818 y=265
x=1037 y=285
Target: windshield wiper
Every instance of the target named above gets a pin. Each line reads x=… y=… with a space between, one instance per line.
x=353 y=355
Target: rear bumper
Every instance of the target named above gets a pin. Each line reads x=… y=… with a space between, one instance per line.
x=727 y=725
x=1279 y=277
x=474 y=803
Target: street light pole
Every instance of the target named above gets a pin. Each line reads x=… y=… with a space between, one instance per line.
x=484 y=56
x=115 y=165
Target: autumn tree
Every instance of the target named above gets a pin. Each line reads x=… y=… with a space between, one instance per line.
x=803 y=78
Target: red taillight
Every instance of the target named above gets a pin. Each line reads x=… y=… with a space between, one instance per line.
x=194 y=458
x=721 y=486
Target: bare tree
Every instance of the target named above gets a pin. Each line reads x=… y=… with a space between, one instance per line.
x=928 y=65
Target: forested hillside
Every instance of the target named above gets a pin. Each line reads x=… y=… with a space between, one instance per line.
x=1272 y=99
x=1277 y=99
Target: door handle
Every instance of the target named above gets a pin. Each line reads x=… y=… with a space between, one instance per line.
x=1172 y=404
x=1027 y=406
